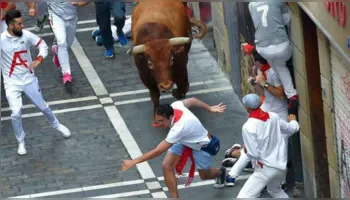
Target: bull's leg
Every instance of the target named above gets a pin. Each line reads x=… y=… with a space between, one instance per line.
x=155 y=94
x=180 y=78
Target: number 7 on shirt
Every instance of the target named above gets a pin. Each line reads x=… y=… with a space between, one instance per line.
x=265 y=10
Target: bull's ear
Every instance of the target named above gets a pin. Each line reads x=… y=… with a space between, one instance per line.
x=178 y=49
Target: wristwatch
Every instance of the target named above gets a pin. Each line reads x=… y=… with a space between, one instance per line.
x=266 y=85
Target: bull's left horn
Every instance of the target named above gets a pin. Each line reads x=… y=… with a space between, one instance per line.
x=179 y=40
x=137 y=49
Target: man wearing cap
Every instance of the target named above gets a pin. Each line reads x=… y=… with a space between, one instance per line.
x=268 y=82
x=265 y=136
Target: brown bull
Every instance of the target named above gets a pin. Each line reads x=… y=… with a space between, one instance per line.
x=161 y=34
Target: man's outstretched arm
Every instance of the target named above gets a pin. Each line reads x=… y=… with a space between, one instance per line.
x=194 y=102
x=161 y=148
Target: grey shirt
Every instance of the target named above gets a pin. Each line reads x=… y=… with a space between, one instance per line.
x=269 y=23
x=65 y=10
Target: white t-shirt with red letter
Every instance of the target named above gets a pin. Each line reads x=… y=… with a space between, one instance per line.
x=16 y=57
x=186 y=128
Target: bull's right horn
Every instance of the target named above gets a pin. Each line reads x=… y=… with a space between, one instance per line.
x=137 y=49
x=179 y=40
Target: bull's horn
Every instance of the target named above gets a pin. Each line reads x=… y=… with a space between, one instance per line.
x=137 y=49
x=179 y=40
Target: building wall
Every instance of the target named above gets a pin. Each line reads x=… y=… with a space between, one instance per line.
x=304 y=119
x=221 y=38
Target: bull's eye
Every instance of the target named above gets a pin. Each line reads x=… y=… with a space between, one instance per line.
x=150 y=65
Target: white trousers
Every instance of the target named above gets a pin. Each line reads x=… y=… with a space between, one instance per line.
x=238 y=167
x=33 y=92
x=265 y=176
x=41 y=8
x=243 y=160
x=64 y=31
x=277 y=56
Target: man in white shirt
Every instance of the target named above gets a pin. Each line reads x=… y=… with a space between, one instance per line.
x=267 y=82
x=18 y=71
x=63 y=21
x=187 y=138
x=265 y=136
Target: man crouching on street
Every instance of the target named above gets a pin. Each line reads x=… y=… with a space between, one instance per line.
x=187 y=138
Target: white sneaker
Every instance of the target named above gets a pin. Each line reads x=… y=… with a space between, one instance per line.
x=64 y=130
x=21 y=149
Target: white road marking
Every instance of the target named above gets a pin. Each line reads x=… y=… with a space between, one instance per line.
x=88 y=69
x=153 y=185
x=111 y=185
x=112 y=112
x=57 y=111
x=125 y=194
x=205 y=91
x=106 y=100
x=90 y=98
x=203 y=183
x=146 y=90
x=75 y=109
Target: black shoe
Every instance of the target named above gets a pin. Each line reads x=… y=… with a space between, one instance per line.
x=228 y=162
x=220 y=180
x=284 y=187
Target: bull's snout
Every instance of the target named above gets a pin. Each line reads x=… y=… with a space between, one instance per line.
x=165 y=87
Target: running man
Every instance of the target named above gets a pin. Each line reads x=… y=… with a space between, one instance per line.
x=187 y=138
x=40 y=13
x=63 y=20
x=272 y=42
x=18 y=71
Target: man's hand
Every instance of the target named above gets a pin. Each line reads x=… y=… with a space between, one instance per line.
x=79 y=3
x=292 y=117
x=32 y=12
x=260 y=80
x=220 y=108
x=127 y=164
x=250 y=80
x=34 y=64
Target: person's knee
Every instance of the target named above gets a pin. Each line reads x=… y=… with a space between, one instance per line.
x=168 y=166
x=205 y=174
x=16 y=114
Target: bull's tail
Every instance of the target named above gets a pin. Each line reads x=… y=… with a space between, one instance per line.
x=201 y=26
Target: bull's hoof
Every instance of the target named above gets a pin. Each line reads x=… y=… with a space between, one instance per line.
x=178 y=95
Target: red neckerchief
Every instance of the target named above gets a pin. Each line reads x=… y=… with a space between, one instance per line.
x=186 y=153
x=263 y=69
x=259 y=114
x=248 y=48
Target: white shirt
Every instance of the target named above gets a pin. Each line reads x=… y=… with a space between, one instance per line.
x=266 y=140
x=272 y=103
x=16 y=57
x=186 y=128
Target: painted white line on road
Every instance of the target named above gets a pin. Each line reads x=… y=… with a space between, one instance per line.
x=111 y=185
x=204 y=183
x=205 y=91
x=125 y=194
x=112 y=112
x=88 y=69
x=128 y=141
x=184 y=175
x=159 y=195
x=90 y=98
x=82 y=189
x=146 y=90
x=57 y=111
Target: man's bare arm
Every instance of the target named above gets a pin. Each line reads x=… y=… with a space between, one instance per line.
x=194 y=102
